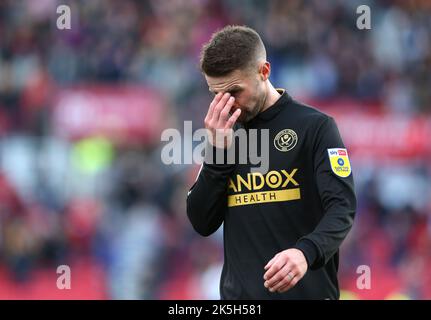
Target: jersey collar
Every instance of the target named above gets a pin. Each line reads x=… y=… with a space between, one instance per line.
x=273 y=110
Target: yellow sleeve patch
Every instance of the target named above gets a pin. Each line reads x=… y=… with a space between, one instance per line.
x=340 y=163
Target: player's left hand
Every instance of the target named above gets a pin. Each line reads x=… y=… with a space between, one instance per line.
x=285 y=270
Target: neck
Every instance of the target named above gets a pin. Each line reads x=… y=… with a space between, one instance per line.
x=271 y=97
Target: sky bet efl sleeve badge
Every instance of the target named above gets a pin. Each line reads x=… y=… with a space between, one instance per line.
x=340 y=163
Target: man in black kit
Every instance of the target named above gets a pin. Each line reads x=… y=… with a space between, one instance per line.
x=282 y=228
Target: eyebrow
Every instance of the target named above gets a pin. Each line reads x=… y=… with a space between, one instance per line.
x=234 y=88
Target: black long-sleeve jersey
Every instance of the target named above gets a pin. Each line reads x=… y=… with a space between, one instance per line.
x=306 y=200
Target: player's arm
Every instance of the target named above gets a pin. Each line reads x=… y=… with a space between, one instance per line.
x=207 y=199
x=339 y=203
x=338 y=199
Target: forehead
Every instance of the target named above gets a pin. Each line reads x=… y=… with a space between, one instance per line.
x=224 y=83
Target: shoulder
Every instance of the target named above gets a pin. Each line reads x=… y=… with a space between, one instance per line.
x=310 y=115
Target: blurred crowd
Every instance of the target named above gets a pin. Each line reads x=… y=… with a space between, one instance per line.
x=127 y=213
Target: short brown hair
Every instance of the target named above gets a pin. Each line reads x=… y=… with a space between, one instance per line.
x=229 y=49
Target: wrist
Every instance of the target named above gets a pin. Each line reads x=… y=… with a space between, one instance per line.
x=309 y=251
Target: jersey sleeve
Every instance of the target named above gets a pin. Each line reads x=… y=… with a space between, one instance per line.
x=334 y=179
x=207 y=198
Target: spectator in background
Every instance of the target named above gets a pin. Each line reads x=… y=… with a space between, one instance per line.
x=316 y=51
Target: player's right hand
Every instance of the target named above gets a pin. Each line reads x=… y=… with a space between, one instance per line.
x=219 y=121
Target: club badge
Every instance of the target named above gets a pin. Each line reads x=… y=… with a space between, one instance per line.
x=286 y=140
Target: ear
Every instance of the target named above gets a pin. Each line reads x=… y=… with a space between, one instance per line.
x=265 y=70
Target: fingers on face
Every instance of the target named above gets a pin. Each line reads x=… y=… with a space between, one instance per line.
x=219 y=112
x=219 y=106
x=233 y=118
x=225 y=112
x=215 y=101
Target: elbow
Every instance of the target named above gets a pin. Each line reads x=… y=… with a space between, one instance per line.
x=198 y=222
x=202 y=228
x=203 y=231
